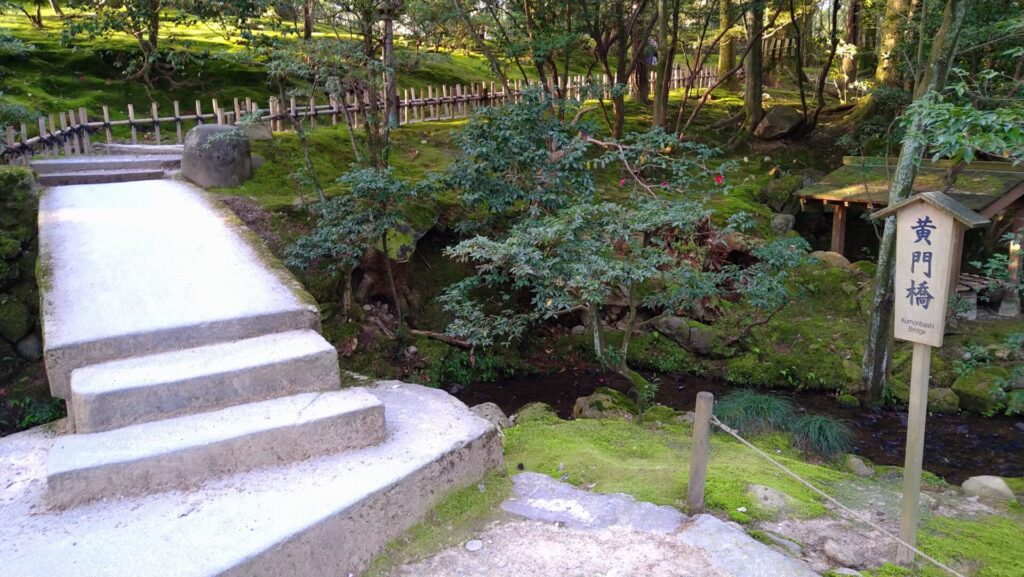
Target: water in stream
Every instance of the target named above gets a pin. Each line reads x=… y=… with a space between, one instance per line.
x=956 y=446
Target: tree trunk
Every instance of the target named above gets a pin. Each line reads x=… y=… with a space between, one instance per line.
x=852 y=37
x=594 y=312
x=753 y=91
x=892 y=33
x=663 y=67
x=481 y=46
x=727 y=48
x=391 y=103
x=55 y=6
x=877 y=353
x=307 y=19
x=640 y=86
x=391 y=278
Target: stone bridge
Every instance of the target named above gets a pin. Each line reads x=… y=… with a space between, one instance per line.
x=208 y=431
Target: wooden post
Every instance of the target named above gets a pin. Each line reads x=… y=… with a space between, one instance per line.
x=430 y=96
x=156 y=121
x=10 y=140
x=916 y=415
x=405 y=108
x=83 y=119
x=312 y=113
x=1010 y=305
x=238 y=110
x=839 y=229
x=76 y=146
x=131 y=122
x=69 y=133
x=42 y=133
x=24 y=139
x=177 y=122
x=699 y=451
x=63 y=132
x=217 y=112
x=107 y=125
x=294 y=110
x=199 y=112
x=334 y=108
x=53 y=133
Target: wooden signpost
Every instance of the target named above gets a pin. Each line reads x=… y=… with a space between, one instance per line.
x=929 y=238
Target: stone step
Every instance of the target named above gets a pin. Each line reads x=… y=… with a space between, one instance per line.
x=182 y=452
x=323 y=516
x=153 y=387
x=99 y=176
x=114 y=162
x=141 y=268
x=141 y=148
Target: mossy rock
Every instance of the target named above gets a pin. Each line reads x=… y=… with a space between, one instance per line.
x=848 y=401
x=15 y=180
x=605 y=403
x=943 y=401
x=9 y=247
x=865 y=266
x=14 y=321
x=899 y=390
x=975 y=390
x=745 y=369
x=852 y=373
x=660 y=414
x=536 y=413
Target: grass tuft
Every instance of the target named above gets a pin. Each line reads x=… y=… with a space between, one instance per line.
x=823 y=435
x=753 y=413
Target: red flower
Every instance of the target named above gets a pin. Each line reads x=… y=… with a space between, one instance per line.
x=622 y=182
x=664 y=184
x=719 y=179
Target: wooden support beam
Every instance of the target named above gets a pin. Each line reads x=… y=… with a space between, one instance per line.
x=699 y=450
x=839 y=229
x=83 y=119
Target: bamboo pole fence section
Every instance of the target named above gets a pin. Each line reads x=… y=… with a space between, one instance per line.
x=73 y=132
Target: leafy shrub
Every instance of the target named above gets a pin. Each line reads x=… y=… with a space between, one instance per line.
x=455 y=368
x=823 y=435
x=752 y=413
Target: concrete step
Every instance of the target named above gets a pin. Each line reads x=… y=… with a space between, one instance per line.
x=152 y=267
x=320 y=517
x=102 y=162
x=153 y=387
x=183 y=452
x=99 y=176
x=140 y=148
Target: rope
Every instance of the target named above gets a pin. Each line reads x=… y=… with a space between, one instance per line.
x=830 y=499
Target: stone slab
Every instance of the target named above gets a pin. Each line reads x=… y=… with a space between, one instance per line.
x=152 y=266
x=185 y=451
x=539 y=497
x=106 y=162
x=735 y=553
x=100 y=176
x=137 y=149
x=322 y=517
x=148 y=388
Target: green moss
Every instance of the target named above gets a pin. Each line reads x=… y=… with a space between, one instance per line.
x=975 y=389
x=848 y=401
x=1016 y=485
x=607 y=403
x=14 y=319
x=536 y=413
x=652 y=463
x=989 y=547
x=450 y=522
x=655 y=352
x=659 y=414
x=865 y=266
x=9 y=247
x=943 y=401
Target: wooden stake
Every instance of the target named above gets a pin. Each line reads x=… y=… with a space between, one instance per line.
x=131 y=120
x=106 y=125
x=312 y=113
x=917 y=413
x=42 y=132
x=839 y=229
x=177 y=122
x=83 y=119
x=699 y=451
x=156 y=121
x=10 y=140
x=199 y=112
x=63 y=132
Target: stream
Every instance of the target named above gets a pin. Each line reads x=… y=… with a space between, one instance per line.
x=956 y=446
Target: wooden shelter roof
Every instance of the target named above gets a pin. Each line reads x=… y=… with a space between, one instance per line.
x=985 y=187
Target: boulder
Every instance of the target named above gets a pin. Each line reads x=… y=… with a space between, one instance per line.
x=660 y=414
x=864 y=266
x=840 y=554
x=848 y=401
x=943 y=401
x=988 y=488
x=605 y=403
x=831 y=258
x=578 y=330
x=535 y=412
x=779 y=122
x=689 y=334
x=857 y=466
x=14 y=319
x=769 y=499
x=492 y=413
x=216 y=156
x=782 y=223
x=975 y=389
x=258 y=131
x=30 y=348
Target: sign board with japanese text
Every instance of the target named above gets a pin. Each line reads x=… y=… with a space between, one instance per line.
x=925 y=245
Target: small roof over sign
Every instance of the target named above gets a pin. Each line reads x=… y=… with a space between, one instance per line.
x=961 y=213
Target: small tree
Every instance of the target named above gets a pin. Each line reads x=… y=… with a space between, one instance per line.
x=351 y=224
